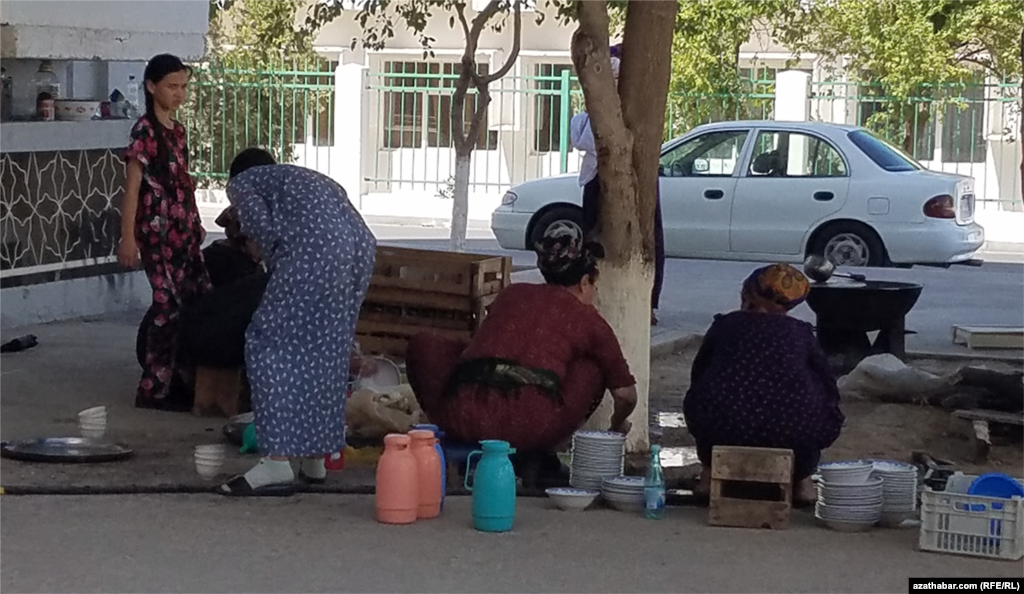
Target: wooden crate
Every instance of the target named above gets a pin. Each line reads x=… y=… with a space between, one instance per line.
x=416 y=291
x=763 y=475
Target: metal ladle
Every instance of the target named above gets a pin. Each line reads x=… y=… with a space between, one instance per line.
x=819 y=269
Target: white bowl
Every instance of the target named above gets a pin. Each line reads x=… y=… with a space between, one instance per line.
x=571 y=499
x=93 y=433
x=846 y=526
x=207 y=471
x=216 y=448
x=75 y=110
x=853 y=472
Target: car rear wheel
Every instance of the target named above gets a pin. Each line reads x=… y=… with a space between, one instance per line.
x=850 y=244
x=567 y=220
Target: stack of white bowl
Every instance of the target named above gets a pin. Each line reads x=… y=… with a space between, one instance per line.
x=849 y=498
x=92 y=422
x=624 y=493
x=209 y=459
x=899 y=490
x=596 y=455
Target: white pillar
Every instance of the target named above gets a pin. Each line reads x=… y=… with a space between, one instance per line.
x=349 y=127
x=792 y=96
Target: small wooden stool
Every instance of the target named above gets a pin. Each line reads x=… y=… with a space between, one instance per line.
x=218 y=392
x=751 y=487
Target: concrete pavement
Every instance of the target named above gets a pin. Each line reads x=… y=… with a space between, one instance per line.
x=332 y=544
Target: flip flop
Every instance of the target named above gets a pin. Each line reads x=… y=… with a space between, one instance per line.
x=311 y=480
x=239 y=487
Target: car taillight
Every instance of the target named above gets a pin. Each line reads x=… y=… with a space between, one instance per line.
x=508 y=199
x=940 y=207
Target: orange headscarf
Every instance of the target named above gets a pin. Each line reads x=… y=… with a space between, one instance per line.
x=777 y=288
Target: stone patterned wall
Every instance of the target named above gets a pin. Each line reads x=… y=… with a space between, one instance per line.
x=59 y=207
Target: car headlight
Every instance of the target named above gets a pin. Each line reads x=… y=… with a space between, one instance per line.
x=509 y=199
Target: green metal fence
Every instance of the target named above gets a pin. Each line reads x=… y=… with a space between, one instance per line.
x=526 y=134
x=407 y=144
x=235 y=104
x=969 y=128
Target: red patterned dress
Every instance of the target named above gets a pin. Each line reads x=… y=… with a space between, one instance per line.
x=168 y=231
x=541 y=336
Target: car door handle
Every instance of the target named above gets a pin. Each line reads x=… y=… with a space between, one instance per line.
x=823 y=196
x=714 y=194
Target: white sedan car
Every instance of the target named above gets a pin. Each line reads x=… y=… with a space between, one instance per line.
x=780 y=191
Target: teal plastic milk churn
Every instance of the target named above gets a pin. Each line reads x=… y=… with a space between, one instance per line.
x=494 y=487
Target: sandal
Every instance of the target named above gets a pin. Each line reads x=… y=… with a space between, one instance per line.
x=310 y=479
x=240 y=487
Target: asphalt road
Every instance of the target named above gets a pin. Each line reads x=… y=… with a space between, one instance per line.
x=695 y=290
x=207 y=543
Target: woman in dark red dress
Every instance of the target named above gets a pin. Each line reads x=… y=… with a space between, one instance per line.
x=161 y=229
x=761 y=380
x=538 y=366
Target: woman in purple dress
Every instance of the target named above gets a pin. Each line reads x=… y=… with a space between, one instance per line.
x=761 y=380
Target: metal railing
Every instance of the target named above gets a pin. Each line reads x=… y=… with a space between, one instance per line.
x=288 y=109
x=407 y=145
x=969 y=129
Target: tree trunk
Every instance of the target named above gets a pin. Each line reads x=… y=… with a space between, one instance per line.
x=628 y=136
x=460 y=201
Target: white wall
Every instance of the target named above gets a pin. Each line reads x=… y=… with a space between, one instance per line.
x=103 y=29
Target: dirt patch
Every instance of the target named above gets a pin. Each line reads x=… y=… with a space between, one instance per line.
x=873 y=429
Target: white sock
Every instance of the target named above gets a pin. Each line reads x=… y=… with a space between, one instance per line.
x=314 y=467
x=269 y=472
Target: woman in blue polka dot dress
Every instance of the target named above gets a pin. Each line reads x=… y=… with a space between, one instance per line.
x=320 y=254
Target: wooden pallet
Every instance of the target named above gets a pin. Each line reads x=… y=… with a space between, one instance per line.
x=751 y=487
x=416 y=291
x=989 y=337
x=218 y=392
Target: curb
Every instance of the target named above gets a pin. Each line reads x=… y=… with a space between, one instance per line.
x=1000 y=356
x=672 y=342
x=442 y=223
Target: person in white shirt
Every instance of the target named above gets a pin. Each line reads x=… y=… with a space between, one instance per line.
x=582 y=137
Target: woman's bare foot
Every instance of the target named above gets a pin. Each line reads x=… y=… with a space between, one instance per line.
x=703 y=488
x=804 y=491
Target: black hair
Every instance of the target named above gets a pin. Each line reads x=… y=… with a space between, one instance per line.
x=564 y=260
x=157 y=69
x=249 y=158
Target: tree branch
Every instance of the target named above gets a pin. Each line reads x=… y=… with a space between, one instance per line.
x=513 y=55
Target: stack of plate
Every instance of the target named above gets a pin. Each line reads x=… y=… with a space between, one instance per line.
x=596 y=455
x=624 y=493
x=850 y=507
x=899 y=489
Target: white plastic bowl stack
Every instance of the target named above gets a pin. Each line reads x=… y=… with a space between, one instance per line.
x=209 y=459
x=849 y=498
x=624 y=493
x=899 y=490
x=596 y=455
x=92 y=422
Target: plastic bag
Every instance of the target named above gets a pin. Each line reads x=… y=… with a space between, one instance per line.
x=372 y=415
x=885 y=375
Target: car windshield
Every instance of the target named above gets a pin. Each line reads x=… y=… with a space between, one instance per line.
x=884 y=155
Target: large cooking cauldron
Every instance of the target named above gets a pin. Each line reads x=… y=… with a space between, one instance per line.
x=846 y=311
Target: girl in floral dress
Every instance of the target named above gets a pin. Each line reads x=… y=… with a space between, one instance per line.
x=161 y=230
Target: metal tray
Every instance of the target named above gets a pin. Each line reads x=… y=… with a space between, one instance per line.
x=64 y=450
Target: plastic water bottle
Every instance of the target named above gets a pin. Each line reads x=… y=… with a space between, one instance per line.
x=654 y=487
x=132 y=97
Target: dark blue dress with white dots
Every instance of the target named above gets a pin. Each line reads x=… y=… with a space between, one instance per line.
x=320 y=254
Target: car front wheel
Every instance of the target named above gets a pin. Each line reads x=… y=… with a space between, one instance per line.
x=850 y=244
x=560 y=220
